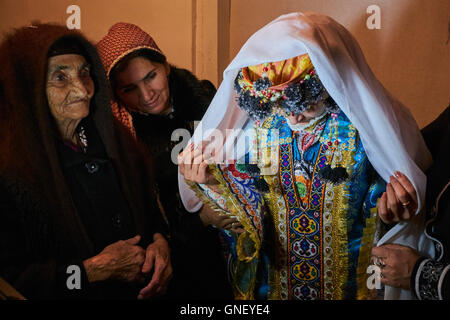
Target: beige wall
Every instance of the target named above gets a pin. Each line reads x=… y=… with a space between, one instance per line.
x=169 y=22
x=409 y=54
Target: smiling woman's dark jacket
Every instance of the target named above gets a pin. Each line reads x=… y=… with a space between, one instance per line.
x=41 y=231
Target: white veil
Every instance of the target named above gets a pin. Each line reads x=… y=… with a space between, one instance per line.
x=388 y=131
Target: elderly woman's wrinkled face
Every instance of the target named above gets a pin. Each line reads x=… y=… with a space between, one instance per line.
x=69 y=87
x=143 y=86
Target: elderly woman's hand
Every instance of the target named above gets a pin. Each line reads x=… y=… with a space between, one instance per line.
x=157 y=258
x=399 y=202
x=396 y=263
x=121 y=260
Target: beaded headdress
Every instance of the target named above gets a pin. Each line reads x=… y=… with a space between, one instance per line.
x=289 y=86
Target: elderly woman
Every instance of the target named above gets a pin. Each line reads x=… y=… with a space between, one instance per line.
x=155 y=99
x=78 y=214
x=315 y=134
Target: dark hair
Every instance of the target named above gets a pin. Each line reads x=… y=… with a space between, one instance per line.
x=148 y=54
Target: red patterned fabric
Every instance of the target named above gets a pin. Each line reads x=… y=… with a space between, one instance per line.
x=122 y=114
x=121 y=40
x=232 y=169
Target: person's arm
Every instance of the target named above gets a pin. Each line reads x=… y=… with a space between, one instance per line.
x=430 y=280
x=121 y=260
x=158 y=261
x=194 y=168
x=30 y=262
x=211 y=217
x=403 y=267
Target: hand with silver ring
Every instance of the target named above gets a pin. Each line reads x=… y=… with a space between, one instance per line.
x=396 y=263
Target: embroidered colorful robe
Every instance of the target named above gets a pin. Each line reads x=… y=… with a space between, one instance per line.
x=306 y=238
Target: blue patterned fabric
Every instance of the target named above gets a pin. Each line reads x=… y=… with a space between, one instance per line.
x=305 y=231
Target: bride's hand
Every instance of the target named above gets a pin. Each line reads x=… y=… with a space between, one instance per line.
x=399 y=202
x=193 y=165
